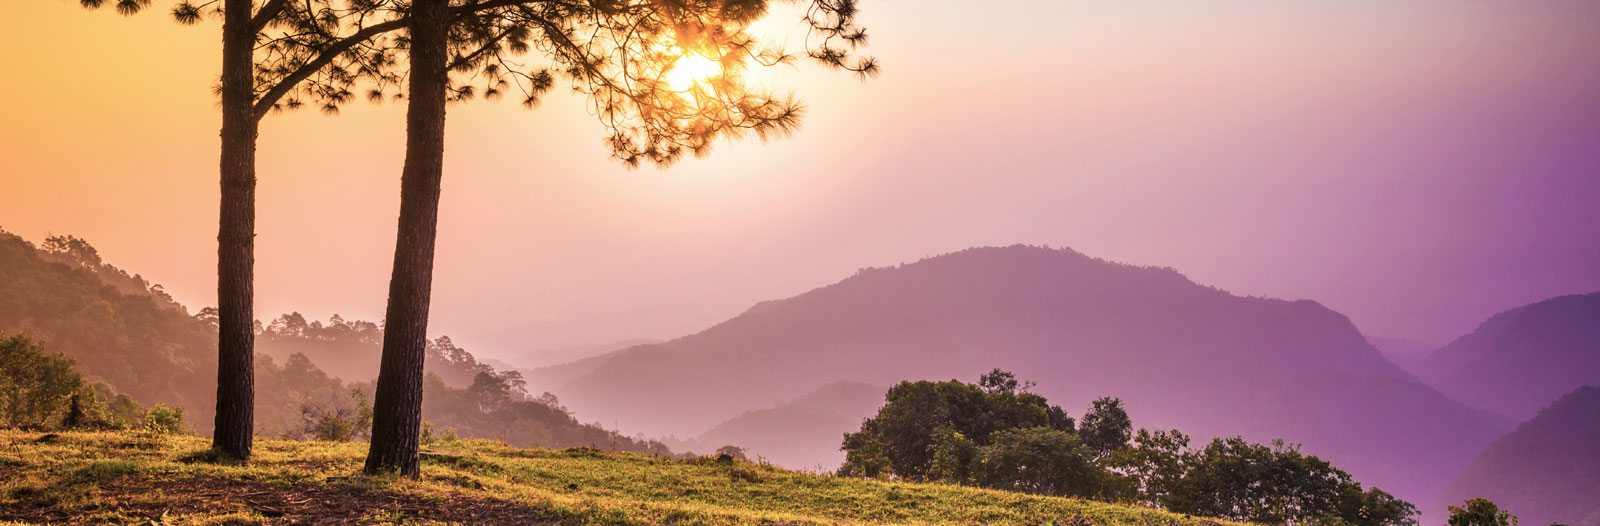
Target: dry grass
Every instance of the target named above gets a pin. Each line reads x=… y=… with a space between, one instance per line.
x=122 y=478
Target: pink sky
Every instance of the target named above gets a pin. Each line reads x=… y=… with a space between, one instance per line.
x=1416 y=165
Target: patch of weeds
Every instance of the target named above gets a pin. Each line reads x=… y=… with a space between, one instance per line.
x=465 y=463
x=104 y=470
x=209 y=456
x=459 y=480
x=744 y=474
x=681 y=518
x=581 y=452
x=238 y=518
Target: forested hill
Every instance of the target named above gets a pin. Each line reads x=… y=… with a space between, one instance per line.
x=1547 y=470
x=132 y=339
x=122 y=333
x=1520 y=360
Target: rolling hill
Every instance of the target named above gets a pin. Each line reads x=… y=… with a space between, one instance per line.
x=129 y=338
x=1520 y=360
x=1547 y=470
x=1179 y=354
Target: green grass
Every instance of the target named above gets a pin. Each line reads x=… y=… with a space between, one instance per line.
x=124 y=478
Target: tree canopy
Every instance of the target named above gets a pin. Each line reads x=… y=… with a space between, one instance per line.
x=994 y=434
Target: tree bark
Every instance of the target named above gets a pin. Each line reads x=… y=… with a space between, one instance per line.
x=397 y=410
x=235 y=420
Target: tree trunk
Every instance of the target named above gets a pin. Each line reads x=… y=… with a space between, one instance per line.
x=236 y=239
x=397 y=410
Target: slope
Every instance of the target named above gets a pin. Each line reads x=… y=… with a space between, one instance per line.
x=118 y=478
x=804 y=433
x=1180 y=354
x=1520 y=360
x=1547 y=470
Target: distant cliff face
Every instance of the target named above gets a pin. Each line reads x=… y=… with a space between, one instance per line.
x=1547 y=470
x=1180 y=354
x=1520 y=360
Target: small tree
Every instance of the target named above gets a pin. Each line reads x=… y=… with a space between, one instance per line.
x=39 y=388
x=732 y=452
x=163 y=420
x=337 y=422
x=1480 y=512
x=1105 y=427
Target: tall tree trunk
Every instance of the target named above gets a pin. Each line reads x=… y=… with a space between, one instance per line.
x=236 y=239
x=397 y=410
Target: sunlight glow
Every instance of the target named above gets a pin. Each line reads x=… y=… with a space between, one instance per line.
x=692 y=68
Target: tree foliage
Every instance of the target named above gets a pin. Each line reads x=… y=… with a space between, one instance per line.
x=995 y=435
x=1105 y=426
x=901 y=440
x=336 y=420
x=1480 y=512
x=619 y=54
x=40 y=389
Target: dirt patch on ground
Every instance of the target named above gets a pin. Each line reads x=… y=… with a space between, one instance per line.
x=333 y=503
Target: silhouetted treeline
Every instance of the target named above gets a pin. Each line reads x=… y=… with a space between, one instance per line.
x=995 y=434
x=350 y=349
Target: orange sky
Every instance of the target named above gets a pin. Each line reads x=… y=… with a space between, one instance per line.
x=1410 y=164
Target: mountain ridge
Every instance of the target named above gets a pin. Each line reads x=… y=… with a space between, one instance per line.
x=1180 y=354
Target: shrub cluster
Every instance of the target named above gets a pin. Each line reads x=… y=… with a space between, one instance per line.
x=995 y=434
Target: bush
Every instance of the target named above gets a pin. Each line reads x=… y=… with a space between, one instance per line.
x=338 y=423
x=163 y=420
x=37 y=388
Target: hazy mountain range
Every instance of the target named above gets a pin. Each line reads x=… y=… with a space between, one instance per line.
x=1180 y=354
x=1520 y=360
x=788 y=377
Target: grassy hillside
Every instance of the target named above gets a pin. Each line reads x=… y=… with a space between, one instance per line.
x=130 y=478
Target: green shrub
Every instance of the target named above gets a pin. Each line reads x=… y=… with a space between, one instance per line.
x=163 y=420
x=37 y=388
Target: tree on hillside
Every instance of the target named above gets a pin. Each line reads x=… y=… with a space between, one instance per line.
x=1105 y=427
x=281 y=55
x=1480 y=512
x=903 y=438
x=41 y=389
x=991 y=435
x=623 y=54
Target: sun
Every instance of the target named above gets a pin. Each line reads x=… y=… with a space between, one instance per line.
x=690 y=69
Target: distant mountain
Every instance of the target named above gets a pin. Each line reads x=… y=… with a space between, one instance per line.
x=806 y=430
x=1520 y=360
x=559 y=355
x=1180 y=354
x=1406 y=353
x=1547 y=470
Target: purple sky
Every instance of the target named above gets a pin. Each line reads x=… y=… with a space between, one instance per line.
x=1416 y=165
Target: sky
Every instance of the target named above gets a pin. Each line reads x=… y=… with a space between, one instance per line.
x=1415 y=165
